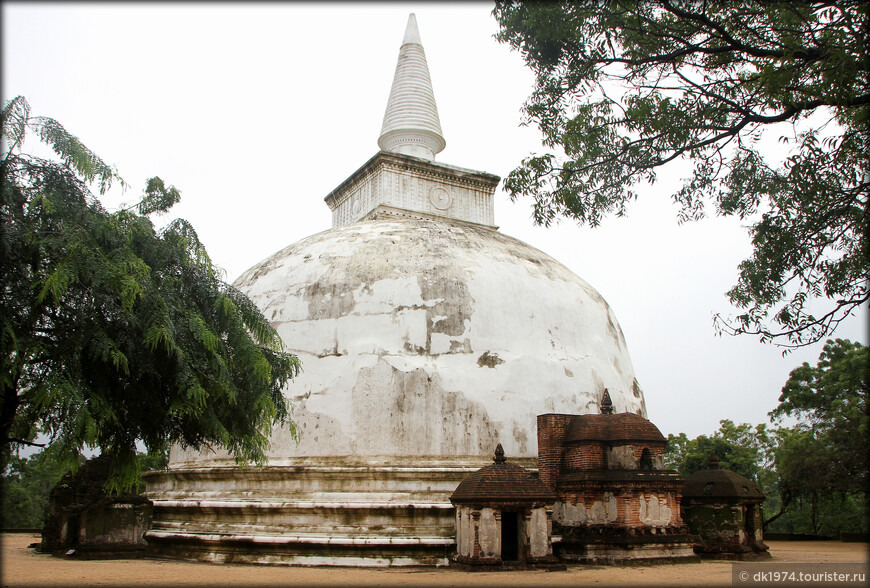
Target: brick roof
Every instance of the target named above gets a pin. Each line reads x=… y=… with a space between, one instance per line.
x=715 y=483
x=612 y=428
x=502 y=484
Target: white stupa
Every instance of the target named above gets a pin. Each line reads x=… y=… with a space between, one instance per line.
x=426 y=337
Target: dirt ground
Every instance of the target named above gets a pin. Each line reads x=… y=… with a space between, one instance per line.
x=22 y=566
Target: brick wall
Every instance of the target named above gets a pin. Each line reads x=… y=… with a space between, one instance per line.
x=551 y=435
x=589 y=456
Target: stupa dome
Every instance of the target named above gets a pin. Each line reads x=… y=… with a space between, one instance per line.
x=435 y=338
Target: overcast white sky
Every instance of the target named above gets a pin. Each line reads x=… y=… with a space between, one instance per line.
x=257 y=111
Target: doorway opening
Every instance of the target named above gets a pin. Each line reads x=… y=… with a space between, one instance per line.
x=510 y=537
x=646 y=462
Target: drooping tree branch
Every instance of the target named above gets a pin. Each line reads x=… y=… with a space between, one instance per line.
x=704 y=82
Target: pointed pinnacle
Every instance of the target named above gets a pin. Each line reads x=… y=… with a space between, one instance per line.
x=412 y=34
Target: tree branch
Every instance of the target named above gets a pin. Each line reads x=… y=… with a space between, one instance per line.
x=24 y=442
x=802 y=53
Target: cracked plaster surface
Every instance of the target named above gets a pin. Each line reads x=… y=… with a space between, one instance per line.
x=435 y=338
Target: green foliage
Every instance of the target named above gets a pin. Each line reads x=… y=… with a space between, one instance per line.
x=624 y=89
x=112 y=332
x=740 y=448
x=824 y=456
x=27 y=484
x=820 y=488
x=832 y=394
x=814 y=473
x=829 y=516
x=153 y=461
x=828 y=448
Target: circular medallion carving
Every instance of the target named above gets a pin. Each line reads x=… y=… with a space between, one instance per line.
x=355 y=206
x=440 y=198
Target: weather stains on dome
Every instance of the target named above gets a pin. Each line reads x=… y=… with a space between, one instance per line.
x=415 y=415
x=489 y=360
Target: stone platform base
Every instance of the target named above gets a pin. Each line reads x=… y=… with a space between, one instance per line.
x=299 y=550
x=470 y=564
x=744 y=555
x=309 y=511
x=620 y=546
x=100 y=552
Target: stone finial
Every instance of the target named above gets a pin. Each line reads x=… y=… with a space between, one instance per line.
x=499 y=454
x=412 y=34
x=606 y=406
x=713 y=464
x=411 y=124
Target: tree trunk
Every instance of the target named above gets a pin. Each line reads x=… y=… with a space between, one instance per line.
x=8 y=407
x=785 y=500
x=766 y=522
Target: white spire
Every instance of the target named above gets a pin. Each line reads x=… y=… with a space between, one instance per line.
x=412 y=33
x=411 y=124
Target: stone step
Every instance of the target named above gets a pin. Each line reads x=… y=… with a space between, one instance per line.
x=306 y=514
x=308 y=549
x=324 y=503
x=204 y=516
x=302 y=538
x=385 y=529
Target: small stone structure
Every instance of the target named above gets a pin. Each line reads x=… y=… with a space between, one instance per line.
x=503 y=517
x=723 y=509
x=615 y=502
x=83 y=518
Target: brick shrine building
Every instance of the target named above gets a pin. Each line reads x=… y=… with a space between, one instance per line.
x=503 y=516
x=85 y=519
x=614 y=501
x=723 y=510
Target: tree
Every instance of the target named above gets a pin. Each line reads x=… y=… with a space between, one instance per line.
x=742 y=448
x=113 y=333
x=27 y=484
x=810 y=491
x=626 y=89
x=826 y=451
x=815 y=472
x=830 y=401
x=823 y=457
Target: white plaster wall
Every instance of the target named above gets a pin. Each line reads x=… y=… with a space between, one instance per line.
x=654 y=511
x=464 y=532
x=603 y=511
x=424 y=338
x=597 y=512
x=567 y=513
x=489 y=533
x=416 y=191
x=539 y=537
x=621 y=457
